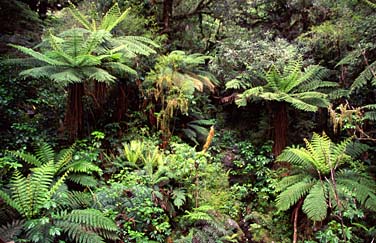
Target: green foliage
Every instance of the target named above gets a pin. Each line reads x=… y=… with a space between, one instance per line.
x=317 y=179
x=296 y=87
x=173 y=83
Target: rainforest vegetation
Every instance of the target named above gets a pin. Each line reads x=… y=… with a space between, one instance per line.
x=203 y=121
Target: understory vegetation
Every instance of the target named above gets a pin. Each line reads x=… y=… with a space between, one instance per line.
x=195 y=121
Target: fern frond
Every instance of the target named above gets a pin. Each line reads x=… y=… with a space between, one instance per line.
x=11 y=202
x=119 y=68
x=66 y=76
x=315 y=204
x=57 y=185
x=366 y=75
x=113 y=17
x=361 y=185
x=9 y=231
x=91 y=219
x=300 y=104
x=45 y=153
x=370 y=115
x=80 y=17
x=26 y=157
x=135 y=45
x=21 y=195
x=76 y=200
x=292 y=194
x=64 y=157
x=39 y=56
x=291 y=180
x=83 y=180
x=39 y=185
x=296 y=156
x=371 y=4
x=82 y=166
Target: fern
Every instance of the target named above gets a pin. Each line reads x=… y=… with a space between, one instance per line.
x=315 y=205
x=292 y=194
x=367 y=75
x=87 y=226
x=10 y=230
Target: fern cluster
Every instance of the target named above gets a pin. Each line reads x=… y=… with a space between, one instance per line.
x=318 y=179
x=49 y=209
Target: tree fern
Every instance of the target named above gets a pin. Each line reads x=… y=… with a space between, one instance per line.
x=317 y=179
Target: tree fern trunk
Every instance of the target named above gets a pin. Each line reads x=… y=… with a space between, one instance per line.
x=122 y=101
x=74 y=114
x=280 y=121
x=167 y=14
x=99 y=96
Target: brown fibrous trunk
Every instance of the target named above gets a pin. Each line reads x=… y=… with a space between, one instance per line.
x=280 y=121
x=122 y=101
x=74 y=112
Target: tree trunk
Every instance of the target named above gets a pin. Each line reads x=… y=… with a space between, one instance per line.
x=295 y=215
x=42 y=10
x=74 y=113
x=280 y=121
x=122 y=101
x=33 y=4
x=167 y=14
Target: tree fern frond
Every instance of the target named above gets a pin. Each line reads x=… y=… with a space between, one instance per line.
x=101 y=75
x=94 y=40
x=300 y=105
x=292 y=194
x=293 y=76
x=39 y=56
x=113 y=17
x=355 y=149
x=66 y=76
x=370 y=115
x=291 y=180
x=338 y=93
x=315 y=204
x=365 y=76
x=134 y=45
x=296 y=156
x=119 y=68
x=41 y=72
x=369 y=107
x=316 y=84
x=80 y=17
